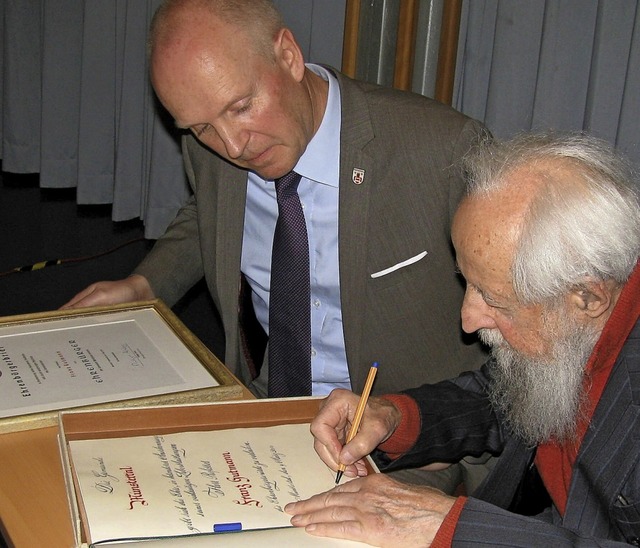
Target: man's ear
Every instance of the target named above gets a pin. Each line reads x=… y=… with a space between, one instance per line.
x=594 y=297
x=288 y=53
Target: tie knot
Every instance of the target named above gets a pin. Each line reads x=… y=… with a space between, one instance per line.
x=287 y=183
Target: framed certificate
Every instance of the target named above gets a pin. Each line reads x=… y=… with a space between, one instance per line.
x=125 y=355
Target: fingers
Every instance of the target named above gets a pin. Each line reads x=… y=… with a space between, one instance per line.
x=346 y=530
x=86 y=297
x=376 y=510
x=328 y=451
x=327 y=455
x=336 y=513
x=336 y=521
x=378 y=423
x=133 y=288
x=333 y=422
x=77 y=298
x=336 y=497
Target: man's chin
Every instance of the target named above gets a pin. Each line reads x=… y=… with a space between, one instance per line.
x=543 y=398
x=268 y=164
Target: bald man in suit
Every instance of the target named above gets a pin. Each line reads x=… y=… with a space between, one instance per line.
x=404 y=317
x=381 y=196
x=380 y=182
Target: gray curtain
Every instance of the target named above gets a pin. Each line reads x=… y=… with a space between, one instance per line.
x=318 y=26
x=569 y=65
x=77 y=107
x=378 y=35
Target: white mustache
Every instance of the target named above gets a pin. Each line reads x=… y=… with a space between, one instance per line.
x=491 y=337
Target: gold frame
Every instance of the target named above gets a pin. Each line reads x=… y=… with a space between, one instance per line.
x=229 y=386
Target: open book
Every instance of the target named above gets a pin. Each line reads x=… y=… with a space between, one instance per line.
x=195 y=483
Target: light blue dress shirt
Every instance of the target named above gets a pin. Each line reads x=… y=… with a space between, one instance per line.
x=319 y=167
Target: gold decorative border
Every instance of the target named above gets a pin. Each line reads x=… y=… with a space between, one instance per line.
x=229 y=387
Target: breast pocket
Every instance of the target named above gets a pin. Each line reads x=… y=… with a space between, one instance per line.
x=625 y=510
x=398 y=290
x=388 y=271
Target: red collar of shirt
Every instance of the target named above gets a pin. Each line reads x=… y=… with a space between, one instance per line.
x=555 y=462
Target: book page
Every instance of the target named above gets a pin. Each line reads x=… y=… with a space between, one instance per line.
x=289 y=537
x=196 y=482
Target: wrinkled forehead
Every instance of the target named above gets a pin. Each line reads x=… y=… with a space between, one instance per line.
x=485 y=234
x=500 y=213
x=196 y=35
x=487 y=221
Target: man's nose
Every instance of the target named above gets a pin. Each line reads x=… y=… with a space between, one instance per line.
x=234 y=139
x=475 y=313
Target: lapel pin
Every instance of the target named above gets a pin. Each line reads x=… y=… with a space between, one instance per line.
x=357 y=176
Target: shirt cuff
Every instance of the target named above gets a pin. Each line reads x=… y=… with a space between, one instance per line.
x=406 y=435
x=444 y=535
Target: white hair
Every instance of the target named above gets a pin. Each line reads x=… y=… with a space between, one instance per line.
x=584 y=221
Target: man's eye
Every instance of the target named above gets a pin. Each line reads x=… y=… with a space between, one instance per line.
x=245 y=107
x=494 y=305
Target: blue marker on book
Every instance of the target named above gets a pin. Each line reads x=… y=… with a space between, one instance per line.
x=227 y=527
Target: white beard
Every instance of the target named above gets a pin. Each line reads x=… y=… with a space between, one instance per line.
x=542 y=398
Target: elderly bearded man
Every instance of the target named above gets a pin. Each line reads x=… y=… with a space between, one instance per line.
x=548 y=240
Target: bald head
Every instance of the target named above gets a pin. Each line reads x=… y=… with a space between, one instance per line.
x=258 y=19
x=229 y=72
x=566 y=205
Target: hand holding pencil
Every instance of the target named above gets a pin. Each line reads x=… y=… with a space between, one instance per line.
x=357 y=419
x=339 y=441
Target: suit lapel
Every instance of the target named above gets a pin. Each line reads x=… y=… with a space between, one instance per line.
x=221 y=194
x=609 y=450
x=232 y=193
x=353 y=220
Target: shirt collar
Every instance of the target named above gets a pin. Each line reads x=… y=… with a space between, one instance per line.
x=321 y=159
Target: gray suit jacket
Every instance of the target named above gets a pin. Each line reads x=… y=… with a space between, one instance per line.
x=409 y=320
x=603 y=507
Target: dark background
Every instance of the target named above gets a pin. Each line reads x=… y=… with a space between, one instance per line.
x=46 y=224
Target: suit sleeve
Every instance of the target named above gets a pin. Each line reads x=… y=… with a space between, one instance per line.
x=457 y=420
x=483 y=524
x=174 y=264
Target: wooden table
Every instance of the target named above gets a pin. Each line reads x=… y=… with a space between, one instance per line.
x=33 y=501
x=34 y=512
